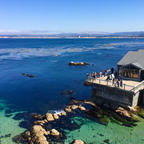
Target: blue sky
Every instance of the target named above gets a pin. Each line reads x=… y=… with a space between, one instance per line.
x=72 y=15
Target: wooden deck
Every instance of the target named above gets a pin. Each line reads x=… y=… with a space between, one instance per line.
x=127 y=84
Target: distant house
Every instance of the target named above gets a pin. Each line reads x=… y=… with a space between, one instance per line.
x=131 y=66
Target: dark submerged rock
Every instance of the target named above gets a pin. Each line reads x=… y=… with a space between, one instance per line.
x=20 y=116
x=20 y=139
x=5 y=136
x=28 y=75
x=67 y=93
x=97 y=115
x=70 y=91
x=1 y=108
x=9 y=111
x=140 y=112
x=8 y=115
x=62 y=93
x=86 y=83
x=107 y=141
x=37 y=116
x=26 y=124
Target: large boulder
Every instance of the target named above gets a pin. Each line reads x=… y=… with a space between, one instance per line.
x=49 y=117
x=38 y=130
x=123 y=112
x=38 y=135
x=68 y=109
x=63 y=113
x=55 y=116
x=78 y=142
x=74 y=107
x=132 y=109
x=82 y=108
x=55 y=133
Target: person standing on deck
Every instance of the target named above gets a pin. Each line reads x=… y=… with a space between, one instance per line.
x=87 y=76
x=100 y=74
x=113 y=81
x=112 y=70
x=106 y=71
x=117 y=83
x=121 y=83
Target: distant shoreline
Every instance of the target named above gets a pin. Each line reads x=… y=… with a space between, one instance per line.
x=5 y=37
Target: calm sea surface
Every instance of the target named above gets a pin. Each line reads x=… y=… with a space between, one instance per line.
x=48 y=60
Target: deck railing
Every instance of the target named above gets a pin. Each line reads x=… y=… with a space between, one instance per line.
x=110 y=83
x=138 y=87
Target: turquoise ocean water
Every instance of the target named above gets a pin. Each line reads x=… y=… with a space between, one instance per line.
x=48 y=60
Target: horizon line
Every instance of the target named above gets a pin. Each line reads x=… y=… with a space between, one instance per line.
x=39 y=32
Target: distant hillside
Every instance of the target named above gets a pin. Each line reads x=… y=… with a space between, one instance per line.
x=137 y=34
x=66 y=35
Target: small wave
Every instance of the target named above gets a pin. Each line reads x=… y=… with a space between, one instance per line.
x=55 y=111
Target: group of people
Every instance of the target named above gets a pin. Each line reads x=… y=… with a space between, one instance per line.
x=100 y=74
x=117 y=82
x=111 y=75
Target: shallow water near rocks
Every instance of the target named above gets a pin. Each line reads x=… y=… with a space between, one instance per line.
x=95 y=133
x=8 y=126
x=47 y=60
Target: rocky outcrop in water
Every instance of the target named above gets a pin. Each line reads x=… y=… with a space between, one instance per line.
x=48 y=128
x=77 y=63
x=55 y=133
x=37 y=135
x=49 y=117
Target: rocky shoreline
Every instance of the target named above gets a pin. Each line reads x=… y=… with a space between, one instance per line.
x=46 y=128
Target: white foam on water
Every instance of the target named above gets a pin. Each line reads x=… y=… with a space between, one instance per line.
x=55 y=111
x=58 y=111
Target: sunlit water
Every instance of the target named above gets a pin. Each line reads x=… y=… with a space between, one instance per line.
x=48 y=60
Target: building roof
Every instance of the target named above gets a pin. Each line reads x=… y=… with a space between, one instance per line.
x=135 y=58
